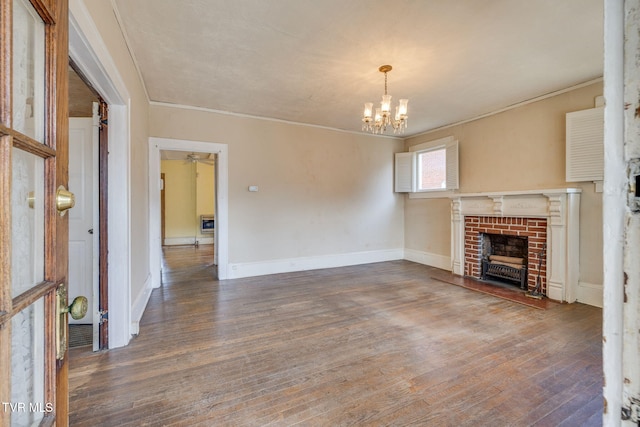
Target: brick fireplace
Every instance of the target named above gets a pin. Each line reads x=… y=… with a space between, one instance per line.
x=542 y=216
x=534 y=229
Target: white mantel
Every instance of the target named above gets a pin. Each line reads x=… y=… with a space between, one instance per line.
x=561 y=207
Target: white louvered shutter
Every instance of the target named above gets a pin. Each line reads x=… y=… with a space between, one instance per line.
x=405 y=173
x=585 y=145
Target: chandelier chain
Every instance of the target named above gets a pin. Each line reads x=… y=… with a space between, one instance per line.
x=385 y=82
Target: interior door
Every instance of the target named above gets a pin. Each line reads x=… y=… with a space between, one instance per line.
x=102 y=218
x=83 y=153
x=33 y=232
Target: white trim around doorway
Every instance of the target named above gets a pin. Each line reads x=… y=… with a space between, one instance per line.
x=90 y=55
x=221 y=197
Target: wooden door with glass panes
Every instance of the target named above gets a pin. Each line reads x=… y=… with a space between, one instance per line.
x=33 y=200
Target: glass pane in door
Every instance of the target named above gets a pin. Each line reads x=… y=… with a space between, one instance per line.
x=27 y=221
x=28 y=71
x=27 y=367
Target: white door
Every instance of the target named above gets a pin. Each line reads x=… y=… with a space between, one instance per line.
x=82 y=232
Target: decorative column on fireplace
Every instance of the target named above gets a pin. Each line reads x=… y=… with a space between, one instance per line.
x=543 y=216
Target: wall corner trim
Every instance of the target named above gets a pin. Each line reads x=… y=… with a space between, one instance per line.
x=426 y=258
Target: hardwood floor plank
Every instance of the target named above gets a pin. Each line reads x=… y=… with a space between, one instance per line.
x=377 y=344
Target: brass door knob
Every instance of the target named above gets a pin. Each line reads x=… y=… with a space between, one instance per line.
x=65 y=200
x=78 y=308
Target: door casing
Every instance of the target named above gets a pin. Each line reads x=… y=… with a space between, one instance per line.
x=92 y=58
x=221 y=194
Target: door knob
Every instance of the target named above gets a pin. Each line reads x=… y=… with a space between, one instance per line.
x=78 y=308
x=65 y=200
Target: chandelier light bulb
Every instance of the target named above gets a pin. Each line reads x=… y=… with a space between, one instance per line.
x=402 y=107
x=378 y=118
x=368 y=110
x=385 y=104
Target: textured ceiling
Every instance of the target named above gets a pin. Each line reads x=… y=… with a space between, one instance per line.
x=316 y=62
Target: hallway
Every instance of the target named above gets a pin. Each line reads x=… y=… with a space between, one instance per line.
x=376 y=344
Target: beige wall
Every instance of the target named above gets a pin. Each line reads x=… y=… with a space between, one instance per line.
x=519 y=149
x=106 y=24
x=179 y=199
x=321 y=192
x=189 y=193
x=205 y=193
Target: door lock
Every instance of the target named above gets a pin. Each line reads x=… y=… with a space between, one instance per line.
x=65 y=200
x=77 y=310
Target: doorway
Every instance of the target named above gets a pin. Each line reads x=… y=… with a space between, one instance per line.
x=94 y=62
x=188 y=201
x=88 y=237
x=221 y=240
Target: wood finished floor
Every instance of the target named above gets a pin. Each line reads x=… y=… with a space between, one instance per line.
x=379 y=344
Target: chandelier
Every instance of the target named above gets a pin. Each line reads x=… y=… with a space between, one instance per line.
x=383 y=118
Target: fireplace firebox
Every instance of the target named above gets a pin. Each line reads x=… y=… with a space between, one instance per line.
x=504 y=257
x=505 y=233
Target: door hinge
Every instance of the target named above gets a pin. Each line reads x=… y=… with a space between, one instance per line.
x=631 y=412
x=104 y=316
x=634 y=185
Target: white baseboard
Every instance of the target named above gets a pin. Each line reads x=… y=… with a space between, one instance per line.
x=426 y=258
x=589 y=293
x=179 y=241
x=175 y=241
x=554 y=291
x=260 y=268
x=140 y=304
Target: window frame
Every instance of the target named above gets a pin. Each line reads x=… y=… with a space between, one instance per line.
x=408 y=171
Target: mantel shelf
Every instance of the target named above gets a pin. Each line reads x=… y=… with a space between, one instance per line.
x=542 y=192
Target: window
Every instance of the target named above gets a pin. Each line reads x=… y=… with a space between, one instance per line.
x=428 y=167
x=432 y=169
